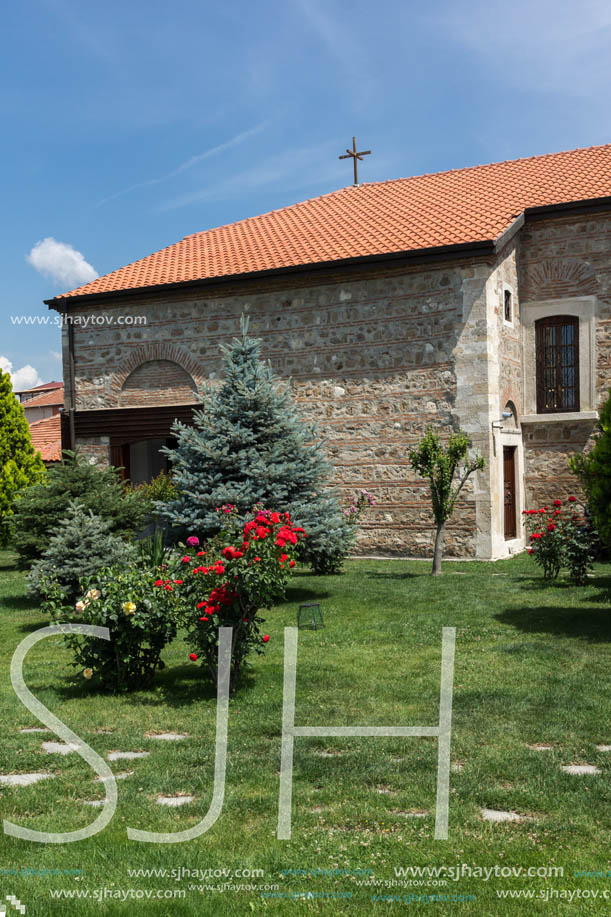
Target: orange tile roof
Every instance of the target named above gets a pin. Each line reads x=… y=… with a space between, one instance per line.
x=47 y=438
x=470 y=205
x=48 y=398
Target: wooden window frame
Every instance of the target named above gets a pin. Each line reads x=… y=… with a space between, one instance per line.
x=556 y=321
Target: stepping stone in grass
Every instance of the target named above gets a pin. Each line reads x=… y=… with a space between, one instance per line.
x=386 y=790
x=457 y=768
x=603 y=748
x=174 y=801
x=34 y=729
x=117 y=776
x=540 y=746
x=126 y=755
x=496 y=815
x=167 y=736
x=23 y=779
x=59 y=748
x=94 y=802
x=326 y=754
x=580 y=769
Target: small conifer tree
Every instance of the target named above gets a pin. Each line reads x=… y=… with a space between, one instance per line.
x=249 y=445
x=20 y=465
x=40 y=509
x=81 y=546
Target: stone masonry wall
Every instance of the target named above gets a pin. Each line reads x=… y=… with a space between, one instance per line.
x=371 y=358
x=566 y=258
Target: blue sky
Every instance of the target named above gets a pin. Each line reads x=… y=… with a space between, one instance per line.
x=128 y=125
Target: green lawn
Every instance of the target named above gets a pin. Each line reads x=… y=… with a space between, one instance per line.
x=532 y=666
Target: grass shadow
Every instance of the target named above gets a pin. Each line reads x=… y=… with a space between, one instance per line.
x=17 y=603
x=593 y=626
x=389 y=575
x=298 y=594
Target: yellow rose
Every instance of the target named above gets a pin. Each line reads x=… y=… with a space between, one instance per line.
x=93 y=594
x=128 y=607
x=87 y=673
x=80 y=606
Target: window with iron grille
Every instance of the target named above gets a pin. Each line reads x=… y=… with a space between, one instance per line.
x=557 y=340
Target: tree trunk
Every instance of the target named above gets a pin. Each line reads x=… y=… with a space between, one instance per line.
x=437 y=553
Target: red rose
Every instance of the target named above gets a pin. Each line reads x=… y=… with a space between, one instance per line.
x=551 y=527
x=186 y=560
x=292 y=563
x=261 y=532
x=229 y=553
x=178 y=582
x=557 y=502
x=275 y=518
x=201 y=604
x=283 y=557
x=256 y=560
x=201 y=553
x=572 y=499
x=265 y=638
x=193 y=657
x=168 y=588
x=281 y=542
x=535 y=535
x=159 y=582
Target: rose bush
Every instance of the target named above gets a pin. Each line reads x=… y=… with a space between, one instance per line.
x=228 y=579
x=561 y=536
x=141 y=619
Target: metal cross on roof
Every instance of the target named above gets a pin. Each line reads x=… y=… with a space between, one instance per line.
x=352 y=154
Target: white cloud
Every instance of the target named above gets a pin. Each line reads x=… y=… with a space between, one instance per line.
x=22 y=379
x=61 y=262
x=55 y=354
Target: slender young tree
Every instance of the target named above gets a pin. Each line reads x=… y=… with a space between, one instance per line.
x=447 y=471
x=20 y=465
x=249 y=445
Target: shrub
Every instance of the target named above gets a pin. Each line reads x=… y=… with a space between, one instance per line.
x=40 y=510
x=140 y=618
x=20 y=465
x=561 y=536
x=225 y=583
x=250 y=445
x=594 y=473
x=156 y=493
x=81 y=546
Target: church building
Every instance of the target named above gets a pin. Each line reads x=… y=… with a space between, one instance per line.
x=475 y=299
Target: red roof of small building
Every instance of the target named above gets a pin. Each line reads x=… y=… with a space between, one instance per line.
x=463 y=206
x=41 y=388
x=49 y=398
x=47 y=438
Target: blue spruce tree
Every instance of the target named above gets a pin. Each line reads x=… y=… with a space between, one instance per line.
x=249 y=445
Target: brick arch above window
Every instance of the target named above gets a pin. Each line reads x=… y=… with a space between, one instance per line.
x=156 y=383
x=159 y=351
x=558 y=277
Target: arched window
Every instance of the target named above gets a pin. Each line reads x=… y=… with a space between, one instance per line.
x=557 y=340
